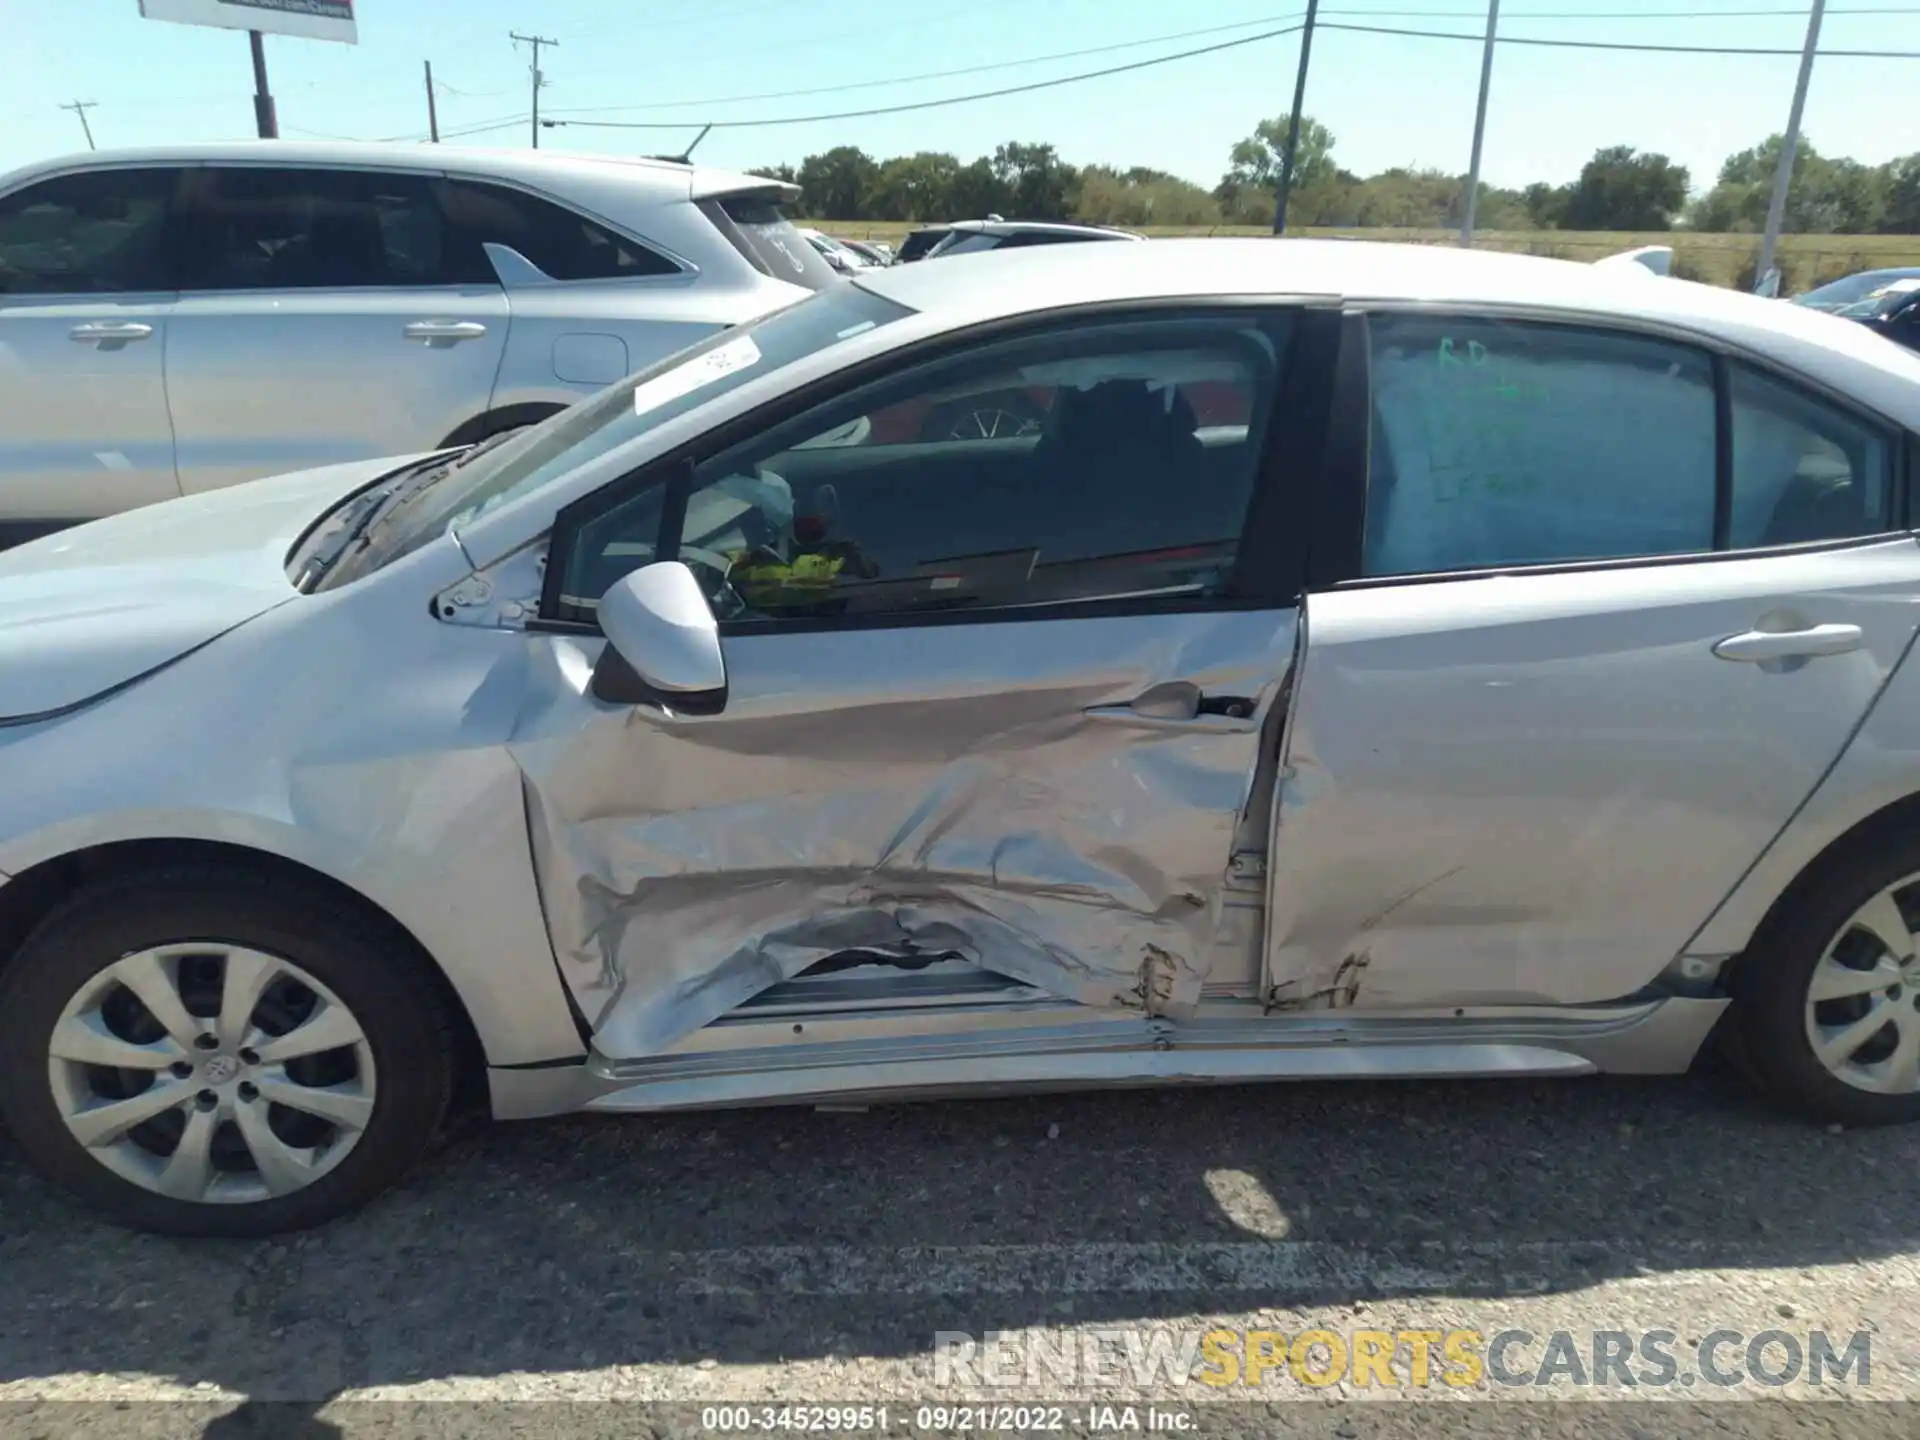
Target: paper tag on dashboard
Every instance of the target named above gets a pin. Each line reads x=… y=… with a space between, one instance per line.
x=715 y=364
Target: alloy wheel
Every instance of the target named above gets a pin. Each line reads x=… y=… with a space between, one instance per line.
x=1863 y=999
x=211 y=1073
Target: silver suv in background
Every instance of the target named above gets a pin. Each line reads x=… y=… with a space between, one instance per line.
x=175 y=320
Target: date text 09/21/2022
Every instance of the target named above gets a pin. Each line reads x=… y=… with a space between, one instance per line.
x=984 y=1418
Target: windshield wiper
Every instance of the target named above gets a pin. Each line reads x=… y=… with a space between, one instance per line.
x=385 y=501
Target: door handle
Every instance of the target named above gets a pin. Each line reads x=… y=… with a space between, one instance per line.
x=1179 y=704
x=444 y=332
x=109 y=332
x=1763 y=645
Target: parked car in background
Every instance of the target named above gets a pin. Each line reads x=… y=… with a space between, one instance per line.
x=836 y=253
x=1852 y=289
x=967 y=237
x=1892 y=311
x=872 y=251
x=175 y=320
x=709 y=745
x=918 y=242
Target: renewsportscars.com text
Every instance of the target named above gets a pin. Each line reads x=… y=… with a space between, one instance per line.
x=1404 y=1359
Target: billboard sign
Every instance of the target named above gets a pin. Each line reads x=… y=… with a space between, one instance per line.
x=310 y=19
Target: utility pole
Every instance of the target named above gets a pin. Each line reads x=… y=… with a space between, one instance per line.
x=1783 y=176
x=80 y=108
x=1479 y=127
x=536 y=41
x=433 y=118
x=263 y=116
x=1293 y=123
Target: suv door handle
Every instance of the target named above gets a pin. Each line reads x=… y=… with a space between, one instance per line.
x=447 y=332
x=1764 y=645
x=109 y=332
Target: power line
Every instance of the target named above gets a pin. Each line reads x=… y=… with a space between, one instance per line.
x=949 y=100
x=928 y=74
x=1216 y=48
x=1638 y=49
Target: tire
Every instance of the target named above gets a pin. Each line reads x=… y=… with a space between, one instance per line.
x=404 y=1034
x=1768 y=1022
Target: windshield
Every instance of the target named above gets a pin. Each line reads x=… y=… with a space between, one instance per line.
x=454 y=495
x=1855 y=288
x=1883 y=301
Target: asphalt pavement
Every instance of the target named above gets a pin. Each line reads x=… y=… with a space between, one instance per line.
x=714 y=1271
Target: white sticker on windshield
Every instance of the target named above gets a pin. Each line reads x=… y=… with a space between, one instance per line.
x=716 y=364
x=1898 y=287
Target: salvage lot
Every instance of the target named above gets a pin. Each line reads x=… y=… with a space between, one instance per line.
x=797 y=1256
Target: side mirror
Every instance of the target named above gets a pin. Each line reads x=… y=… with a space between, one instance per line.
x=663 y=644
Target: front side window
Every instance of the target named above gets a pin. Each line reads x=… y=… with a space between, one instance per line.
x=97 y=232
x=1130 y=477
x=273 y=228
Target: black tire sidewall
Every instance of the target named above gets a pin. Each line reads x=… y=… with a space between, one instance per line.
x=1771 y=982
x=374 y=977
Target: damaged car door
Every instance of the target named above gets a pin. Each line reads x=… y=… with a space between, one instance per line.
x=1619 y=603
x=992 y=707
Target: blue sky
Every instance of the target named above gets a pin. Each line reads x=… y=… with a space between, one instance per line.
x=1389 y=101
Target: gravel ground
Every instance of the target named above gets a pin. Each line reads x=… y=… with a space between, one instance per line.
x=780 y=1257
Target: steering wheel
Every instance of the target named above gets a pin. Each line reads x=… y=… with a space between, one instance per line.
x=721 y=595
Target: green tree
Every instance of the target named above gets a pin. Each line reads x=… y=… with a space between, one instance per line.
x=1902 y=213
x=1141 y=196
x=916 y=187
x=1038 y=184
x=777 y=172
x=977 y=192
x=837 y=184
x=1246 y=192
x=1624 y=189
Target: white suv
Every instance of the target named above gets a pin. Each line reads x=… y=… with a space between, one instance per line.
x=174 y=320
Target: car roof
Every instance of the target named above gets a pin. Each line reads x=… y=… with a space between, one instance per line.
x=672 y=180
x=976 y=289
x=1042 y=227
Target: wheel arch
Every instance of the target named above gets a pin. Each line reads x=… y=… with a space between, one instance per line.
x=1900 y=816
x=33 y=894
x=502 y=417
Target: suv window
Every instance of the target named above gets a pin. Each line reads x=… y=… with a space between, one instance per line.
x=562 y=243
x=1501 y=443
x=1117 y=490
x=274 y=228
x=758 y=228
x=96 y=232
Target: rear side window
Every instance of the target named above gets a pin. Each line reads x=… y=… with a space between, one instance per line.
x=265 y=227
x=100 y=232
x=562 y=243
x=1499 y=444
x=757 y=227
x=1803 y=470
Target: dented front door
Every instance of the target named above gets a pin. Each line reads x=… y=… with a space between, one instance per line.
x=1033 y=756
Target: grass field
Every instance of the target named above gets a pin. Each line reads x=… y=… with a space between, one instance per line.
x=1805 y=260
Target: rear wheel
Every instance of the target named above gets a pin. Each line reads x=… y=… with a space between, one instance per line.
x=1826 y=1009
x=1001 y=416
x=207 y=1052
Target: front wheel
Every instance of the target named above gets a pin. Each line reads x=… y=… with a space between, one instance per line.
x=209 y=1052
x=1826 y=1005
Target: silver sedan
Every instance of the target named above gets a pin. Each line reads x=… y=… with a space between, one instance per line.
x=1360 y=661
